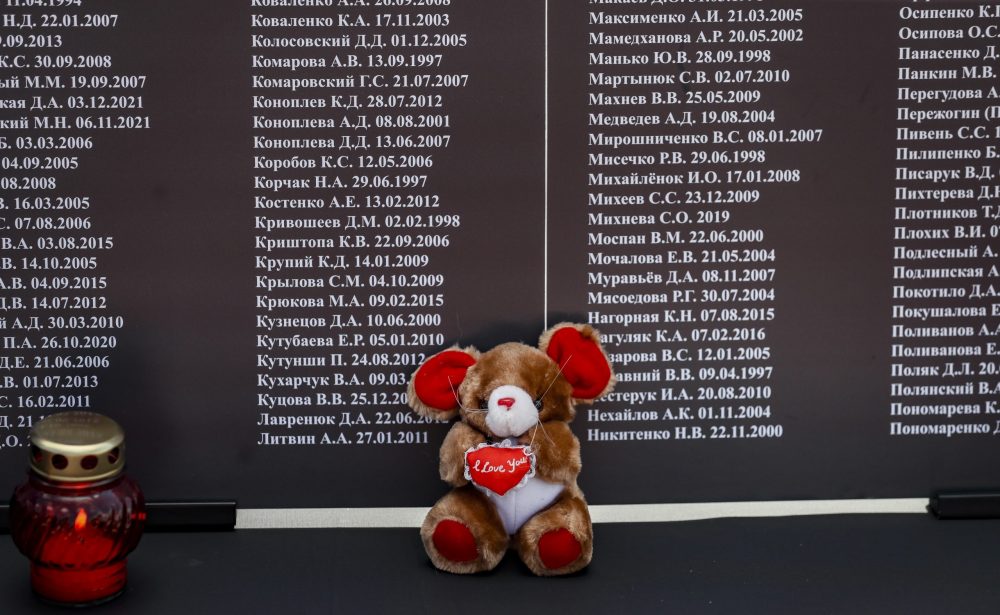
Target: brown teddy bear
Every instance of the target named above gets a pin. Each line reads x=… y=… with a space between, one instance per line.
x=511 y=457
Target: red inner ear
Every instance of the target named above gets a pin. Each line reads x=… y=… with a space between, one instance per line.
x=436 y=382
x=582 y=362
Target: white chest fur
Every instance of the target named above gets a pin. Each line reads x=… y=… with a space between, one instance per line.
x=518 y=505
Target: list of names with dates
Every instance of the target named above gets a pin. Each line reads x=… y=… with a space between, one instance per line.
x=238 y=227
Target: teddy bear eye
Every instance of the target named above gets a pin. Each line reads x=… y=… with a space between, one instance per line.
x=538 y=404
x=483 y=404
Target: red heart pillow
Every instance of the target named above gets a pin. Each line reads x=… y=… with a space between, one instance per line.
x=499 y=467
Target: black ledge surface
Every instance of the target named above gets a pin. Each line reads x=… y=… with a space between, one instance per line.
x=880 y=564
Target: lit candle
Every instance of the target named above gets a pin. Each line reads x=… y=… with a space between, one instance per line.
x=78 y=516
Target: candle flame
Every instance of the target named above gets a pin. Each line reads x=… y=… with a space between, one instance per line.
x=81 y=520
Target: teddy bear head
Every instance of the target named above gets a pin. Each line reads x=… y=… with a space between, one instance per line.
x=505 y=391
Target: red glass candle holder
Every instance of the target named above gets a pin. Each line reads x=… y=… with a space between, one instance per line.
x=78 y=516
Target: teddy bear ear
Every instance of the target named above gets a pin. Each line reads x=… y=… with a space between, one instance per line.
x=433 y=389
x=577 y=350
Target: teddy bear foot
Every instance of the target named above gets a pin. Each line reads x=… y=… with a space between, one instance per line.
x=557 y=552
x=559 y=540
x=558 y=549
x=462 y=535
x=455 y=541
x=454 y=548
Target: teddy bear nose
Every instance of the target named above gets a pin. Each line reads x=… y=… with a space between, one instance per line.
x=506 y=402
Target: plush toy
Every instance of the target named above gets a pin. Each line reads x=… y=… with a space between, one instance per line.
x=511 y=458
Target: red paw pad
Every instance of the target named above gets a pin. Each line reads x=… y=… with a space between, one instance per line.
x=558 y=548
x=454 y=541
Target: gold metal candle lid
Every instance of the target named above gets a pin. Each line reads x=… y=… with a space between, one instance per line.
x=77 y=446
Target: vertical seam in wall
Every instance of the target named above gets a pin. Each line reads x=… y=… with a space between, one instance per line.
x=545 y=200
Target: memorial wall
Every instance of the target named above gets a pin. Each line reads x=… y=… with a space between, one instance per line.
x=238 y=226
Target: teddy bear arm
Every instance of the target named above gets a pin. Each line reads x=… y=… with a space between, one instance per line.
x=557 y=451
x=460 y=438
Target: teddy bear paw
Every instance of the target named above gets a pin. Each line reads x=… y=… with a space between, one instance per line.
x=558 y=548
x=455 y=541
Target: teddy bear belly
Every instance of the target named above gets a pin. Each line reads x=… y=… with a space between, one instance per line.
x=518 y=505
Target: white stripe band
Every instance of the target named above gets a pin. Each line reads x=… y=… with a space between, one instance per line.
x=637 y=513
x=303 y=518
